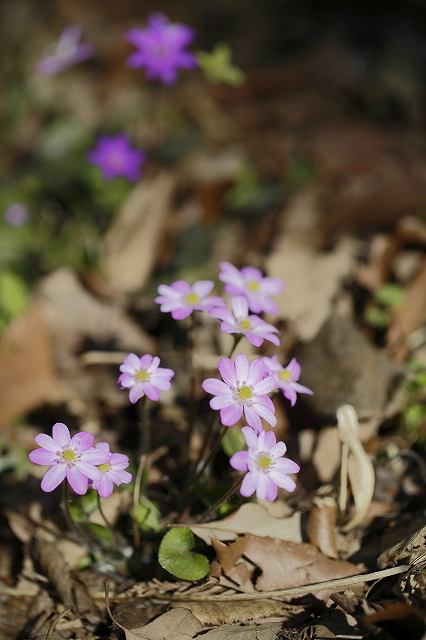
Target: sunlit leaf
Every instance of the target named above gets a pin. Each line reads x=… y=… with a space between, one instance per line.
x=217 y=66
x=175 y=555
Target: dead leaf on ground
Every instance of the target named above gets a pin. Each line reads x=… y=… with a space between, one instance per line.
x=52 y=565
x=321 y=524
x=253 y=518
x=412 y=546
x=356 y=465
x=176 y=624
x=268 y=631
x=215 y=613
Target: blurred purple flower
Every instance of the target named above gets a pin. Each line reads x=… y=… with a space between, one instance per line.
x=65 y=53
x=112 y=471
x=71 y=458
x=250 y=283
x=160 y=48
x=115 y=157
x=286 y=378
x=181 y=298
x=266 y=468
x=243 y=389
x=16 y=214
x=253 y=328
x=143 y=376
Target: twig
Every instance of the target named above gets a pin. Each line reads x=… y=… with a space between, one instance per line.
x=56 y=620
x=206 y=516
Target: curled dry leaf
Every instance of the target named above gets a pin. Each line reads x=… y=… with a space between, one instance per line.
x=251 y=632
x=321 y=526
x=52 y=565
x=176 y=624
x=356 y=464
x=411 y=547
x=215 y=613
x=253 y=518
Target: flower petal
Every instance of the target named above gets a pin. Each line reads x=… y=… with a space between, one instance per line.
x=242 y=368
x=230 y=415
x=45 y=441
x=202 y=288
x=132 y=360
x=220 y=402
x=53 y=477
x=78 y=481
x=61 y=434
x=136 y=392
x=216 y=387
x=248 y=485
x=227 y=370
x=43 y=457
x=239 y=460
x=252 y=418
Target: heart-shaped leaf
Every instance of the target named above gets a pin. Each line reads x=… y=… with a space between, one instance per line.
x=175 y=555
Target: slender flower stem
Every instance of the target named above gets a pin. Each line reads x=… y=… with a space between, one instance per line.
x=144 y=450
x=191 y=369
x=237 y=340
x=211 y=455
x=80 y=533
x=206 y=516
x=108 y=525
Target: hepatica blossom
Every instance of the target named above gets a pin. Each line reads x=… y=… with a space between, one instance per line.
x=286 y=378
x=250 y=283
x=244 y=388
x=112 y=472
x=71 y=458
x=65 y=53
x=265 y=466
x=161 y=48
x=115 y=157
x=182 y=299
x=252 y=327
x=143 y=376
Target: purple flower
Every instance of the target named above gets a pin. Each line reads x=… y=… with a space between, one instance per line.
x=266 y=468
x=143 y=376
x=250 y=283
x=243 y=389
x=64 y=53
x=115 y=157
x=286 y=378
x=71 y=458
x=112 y=471
x=181 y=299
x=16 y=214
x=253 y=328
x=160 y=48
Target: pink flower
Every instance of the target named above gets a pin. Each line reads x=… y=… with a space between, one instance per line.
x=253 y=328
x=143 y=376
x=250 y=283
x=286 y=378
x=112 y=471
x=115 y=157
x=243 y=389
x=266 y=468
x=181 y=299
x=160 y=48
x=64 y=53
x=71 y=458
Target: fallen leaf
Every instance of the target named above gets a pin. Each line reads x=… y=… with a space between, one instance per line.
x=269 y=631
x=320 y=528
x=253 y=518
x=215 y=613
x=52 y=565
x=411 y=547
x=358 y=465
x=176 y=624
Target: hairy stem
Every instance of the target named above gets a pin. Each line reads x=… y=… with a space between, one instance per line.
x=207 y=515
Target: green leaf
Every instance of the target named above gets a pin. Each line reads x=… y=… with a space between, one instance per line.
x=233 y=441
x=13 y=294
x=147 y=515
x=217 y=66
x=175 y=555
x=414 y=415
x=375 y=317
x=389 y=295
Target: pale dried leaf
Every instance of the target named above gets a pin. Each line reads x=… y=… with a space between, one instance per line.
x=360 y=467
x=321 y=524
x=229 y=554
x=52 y=565
x=411 y=547
x=215 y=613
x=132 y=241
x=268 y=631
x=253 y=518
x=176 y=624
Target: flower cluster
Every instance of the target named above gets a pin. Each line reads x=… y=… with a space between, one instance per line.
x=143 y=377
x=115 y=157
x=76 y=460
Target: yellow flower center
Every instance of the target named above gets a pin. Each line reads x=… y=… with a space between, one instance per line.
x=253 y=285
x=284 y=375
x=104 y=467
x=68 y=455
x=142 y=376
x=244 y=325
x=264 y=462
x=191 y=298
x=245 y=393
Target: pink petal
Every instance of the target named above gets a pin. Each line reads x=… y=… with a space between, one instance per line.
x=104 y=487
x=263 y=412
x=146 y=361
x=220 y=402
x=118 y=476
x=227 y=371
x=61 y=434
x=264 y=386
x=82 y=441
x=125 y=380
x=53 y=477
x=256 y=341
x=160 y=382
x=78 y=481
x=88 y=469
x=239 y=306
x=294 y=368
x=211 y=302
x=252 y=418
x=261 y=486
x=282 y=481
x=251 y=274
x=151 y=391
x=119 y=459
x=278 y=450
x=239 y=460
x=272 y=286
x=180 y=314
x=256 y=373
x=271 y=488
x=299 y=388
x=132 y=360
x=180 y=286
x=269 y=440
x=216 y=387
x=202 y=288
x=250 y=436
x=47 y=442
x=242 y=368
x=42 y=456
x=289 y=393
x=248 y=486
x=136 y=392
x=103 y=446
x=286 y=466
x=230 y=415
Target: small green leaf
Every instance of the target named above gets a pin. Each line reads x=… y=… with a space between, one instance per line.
x=13 y=294
x=389 y=295
x=175 y=555
x=233 y=441
x=375 y=317
x=217 y=66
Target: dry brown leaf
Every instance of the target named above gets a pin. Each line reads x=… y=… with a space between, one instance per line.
x=176 y=624
x=215 y=613
x=253 y=518
x=132 y=241
x=288 y=564
x=268 y=631
x=229 y=554
x=411 y=547
x=52 y=565
x=358 y=464
x=321 y=524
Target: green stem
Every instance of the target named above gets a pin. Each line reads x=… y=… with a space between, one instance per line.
x=206 y=516
x=191 y=369
x=80 y=533
x=211 y=455
x=237 y=340
x=144 y=450
x=108 y=525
